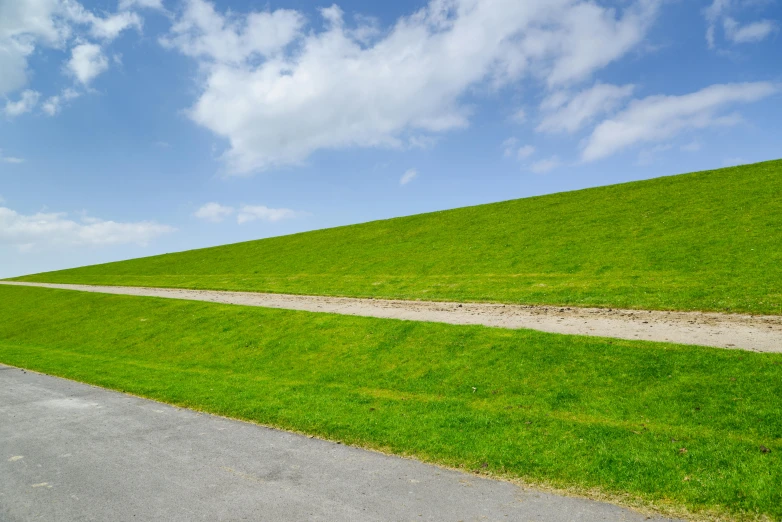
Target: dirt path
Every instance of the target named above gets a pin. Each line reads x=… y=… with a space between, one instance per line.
x=756 y=333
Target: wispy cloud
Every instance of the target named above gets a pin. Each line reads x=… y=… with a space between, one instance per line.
x=10 y=159
x=408 y=176
x=45 y=230
x=512 y=149
x=248 y=213
x=735 y=32
x=216 y=213
x=659 y=118
x=568 y=113
x=545 y=165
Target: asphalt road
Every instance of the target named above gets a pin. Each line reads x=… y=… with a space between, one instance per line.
x=69 y=451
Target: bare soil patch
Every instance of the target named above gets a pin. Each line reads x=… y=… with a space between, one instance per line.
x=746 y=332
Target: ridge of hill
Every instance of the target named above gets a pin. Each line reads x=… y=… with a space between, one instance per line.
x=708 y=241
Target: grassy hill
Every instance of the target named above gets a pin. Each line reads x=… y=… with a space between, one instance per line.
x=673 y=428
x=704 y=241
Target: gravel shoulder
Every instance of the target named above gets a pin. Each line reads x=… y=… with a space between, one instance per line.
x=746 y=332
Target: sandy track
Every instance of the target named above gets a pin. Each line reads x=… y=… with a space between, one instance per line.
x=756 y=333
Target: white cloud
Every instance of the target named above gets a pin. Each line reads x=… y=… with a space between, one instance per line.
x=87 y=61
x=23 y=26
x=422 y=141
x=753 y=32
x=525 y=152
x=408 y=176
x=201 y=32
x=249 y=213
x=733 y=30
x=590 y=37
x=214 y=212
x=278 y=91
x=10 y=159
x=510 y=148
x=53 y=104
x=568 y=114
x=149 y=4
x=733 y=162
x=110 y=28
x=26 y=103
x=26 y=25
x=545 y=165
x=693 y=146
x=520 y=116
x=658 y=118
x=54 y=229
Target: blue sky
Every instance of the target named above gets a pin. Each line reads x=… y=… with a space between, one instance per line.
x=136 y=127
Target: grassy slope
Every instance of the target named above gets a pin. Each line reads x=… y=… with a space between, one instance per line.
x=708 y=241
x=572 y=412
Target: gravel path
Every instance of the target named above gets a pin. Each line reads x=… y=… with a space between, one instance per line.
x=69 y=452
x=756 y=333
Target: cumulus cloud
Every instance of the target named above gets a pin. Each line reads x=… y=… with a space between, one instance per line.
x=27 y=102
x=110 y=28
x=408 y=176
x=659 y=118
x=202 y=32
x=87 y=62
x=56 y=24
x=545 y=165
x=23 y=26
x=565 y=113
x=214 y=212
x=248 y=213
x=55 y=229
x=278 y=90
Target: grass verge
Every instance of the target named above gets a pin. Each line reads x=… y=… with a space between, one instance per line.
x=677 y=427
x=702 y=241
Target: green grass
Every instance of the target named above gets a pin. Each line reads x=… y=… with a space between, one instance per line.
x=703 y=241
x=576 y=413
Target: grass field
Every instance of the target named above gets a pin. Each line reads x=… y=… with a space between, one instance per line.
x=703 y=241
x=675 y=426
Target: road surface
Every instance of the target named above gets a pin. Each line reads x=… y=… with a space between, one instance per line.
x=70 y=452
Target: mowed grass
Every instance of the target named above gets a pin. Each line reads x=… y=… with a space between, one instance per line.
x=674 y=426
x=704 y=241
